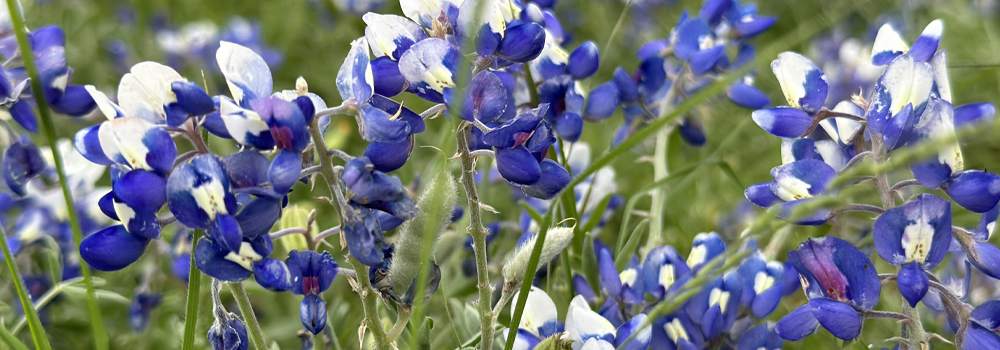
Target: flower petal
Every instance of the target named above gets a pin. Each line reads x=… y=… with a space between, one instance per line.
x=975 y=190
x=246 y=72
x=803 y=84
x=840 y=319
x=112 y=248
x=785 y=122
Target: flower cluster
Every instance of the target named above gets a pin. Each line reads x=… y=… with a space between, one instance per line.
x=723 y=312
x=910 y=106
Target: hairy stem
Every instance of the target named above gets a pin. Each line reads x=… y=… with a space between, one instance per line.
x=367 y=293
x=96 y=324
x=478 y=233
x=402 y=318
x=193 y=296
x=253 y=328
x=914 y=329
x=369 y=300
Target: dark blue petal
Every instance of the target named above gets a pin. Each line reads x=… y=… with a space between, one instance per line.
x=246 y=169
x=141 y=190
x=553 y=179
x=975 y=190
x=258 y=216
x=913 y=283
x=977 y=338
x=192 y=98
x=112 y=248
x=704 y=60
x=229 y=334
x=75 y=101
x=987 y=315
x=286 y=122
x=363 y=234
x=925 y=46
x=211 y=259
x=24 y=115
x=840 y=319
x=518 y=166
x=213 y=121
x=88 y=144
x=989 y=259
x=898 y=128
x=747 y=29
x=761 y=194
x=689 y=35
x=628 y=91
x=415 y=121
x=692 y=132
x=285 y=170
x=522 y=43
x=713 y=10
x=386 y=76
x=517 y=131
x=379 y=126
x=107 y=205
x=601 y=103
x=785 y=122
x=22 y=162
x=272 y=274
x=747 y=96
x=974 y=113
x=312 y=311
x=797 y=324
x=584 y=61
x=569 y=126
x=388 y=157
x=487 y=98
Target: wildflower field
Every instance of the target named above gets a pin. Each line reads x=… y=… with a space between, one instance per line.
x=499 y=174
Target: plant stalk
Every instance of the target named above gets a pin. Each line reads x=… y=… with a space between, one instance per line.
x=914 y=329
x=369 y=300
x=253 y=327
x=367 y=293
x=478 y=233
x=37 y=332
x=193 y=297
x=48 y=126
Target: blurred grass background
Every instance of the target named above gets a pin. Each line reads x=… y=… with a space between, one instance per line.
x=314 y=38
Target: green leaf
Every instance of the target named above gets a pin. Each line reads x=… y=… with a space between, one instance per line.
x=728 y=170
x=103 y=296
x=595 y=218
x=631 y=245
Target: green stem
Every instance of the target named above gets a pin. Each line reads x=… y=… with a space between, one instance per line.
x=37 y=332
x=478 y=233
x=659 y=195
x=367 y=293
x=96 y=324
x=253 y=328
x=11 y=340
x=402 y=318
x=529 y=274
x=193 y=296
x=369 y=300
x=914 y=329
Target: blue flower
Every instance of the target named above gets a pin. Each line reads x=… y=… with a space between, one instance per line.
x=794 y=183
x=376 y=190
x=763 y=284
x=889 y=45
x=840 y=282
x=916 y=237
x=142 y=305
x=22 y=162
x=311 y=274
x=229 y=334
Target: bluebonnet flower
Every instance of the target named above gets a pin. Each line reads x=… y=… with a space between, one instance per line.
x=983 y=322
x=585 y=328
x=312 y=274
x=840 y=282
x=229 y=334
x=142 y=304
x=685 y=62
x=48 y=46
x=763 y=283
x=915 y=236
x=195 y=43
x=22 y=162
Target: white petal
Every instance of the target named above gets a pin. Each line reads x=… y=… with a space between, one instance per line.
x=597 y=344
x=888 y=40
x=581 y=322
x=940 y=66
x=792 y=70
x=241 y=122
x=539 y=310
x=122 y=141
x=108 y=108
x=246 y=72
